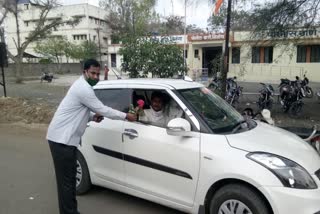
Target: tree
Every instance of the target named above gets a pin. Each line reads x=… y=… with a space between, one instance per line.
x=144 y=56
x=240 y=20
x=85 y=50
x=52 y=48
x=3 y=11
x=173 y=25
x=194 y=29
x=129 y=18
x=43 y=28
x=284 y=14
x=269 y=14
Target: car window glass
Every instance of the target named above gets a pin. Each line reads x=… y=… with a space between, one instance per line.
x=170 y=109
x=219 y=115
x=118 y=99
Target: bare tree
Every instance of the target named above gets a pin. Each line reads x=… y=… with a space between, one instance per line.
x=3 y=13
x=43 y=28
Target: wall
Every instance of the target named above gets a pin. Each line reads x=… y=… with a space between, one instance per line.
x=284 y=65
x=35 y=69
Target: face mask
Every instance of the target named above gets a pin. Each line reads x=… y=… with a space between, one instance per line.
x=92 y=82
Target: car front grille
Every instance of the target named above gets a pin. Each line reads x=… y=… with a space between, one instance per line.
x=318 y=174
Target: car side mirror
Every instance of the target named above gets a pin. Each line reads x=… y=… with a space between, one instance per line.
x=180 y=127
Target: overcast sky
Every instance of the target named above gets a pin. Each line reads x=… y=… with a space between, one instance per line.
x=197 y=13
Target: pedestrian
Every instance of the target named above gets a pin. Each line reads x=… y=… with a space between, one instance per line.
x=106 y=72
x=68 y=125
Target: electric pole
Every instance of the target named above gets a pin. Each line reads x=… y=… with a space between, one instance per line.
x=226 y=52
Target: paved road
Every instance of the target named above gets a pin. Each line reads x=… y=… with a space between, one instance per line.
x=27 y=182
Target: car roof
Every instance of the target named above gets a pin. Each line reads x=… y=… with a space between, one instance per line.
x=169 y=83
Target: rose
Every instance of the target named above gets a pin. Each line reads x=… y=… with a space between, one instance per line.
x=140 y=104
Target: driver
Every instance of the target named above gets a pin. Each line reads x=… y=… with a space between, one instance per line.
x=155 y=115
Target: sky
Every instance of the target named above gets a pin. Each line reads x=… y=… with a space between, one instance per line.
x=197 y=13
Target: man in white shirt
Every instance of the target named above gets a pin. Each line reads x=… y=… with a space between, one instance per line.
x=67 y=127
x=155 y=115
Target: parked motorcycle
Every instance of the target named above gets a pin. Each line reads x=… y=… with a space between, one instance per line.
x=46 y=77
x=291 y=94
x=233 y=91
x=307 y=89
x=266 y=97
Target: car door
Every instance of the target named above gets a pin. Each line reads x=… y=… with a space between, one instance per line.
x=106 y=138
x=159 y=164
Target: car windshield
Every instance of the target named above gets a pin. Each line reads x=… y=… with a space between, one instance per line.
x=217 y=113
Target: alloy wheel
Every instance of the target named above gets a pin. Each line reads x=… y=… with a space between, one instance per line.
x=234 y=207
x=79 y=173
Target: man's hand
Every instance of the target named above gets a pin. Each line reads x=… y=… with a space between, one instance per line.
x=97 y=118
x=131 y=117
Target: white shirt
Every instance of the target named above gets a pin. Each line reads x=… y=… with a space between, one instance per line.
x=156 y=118
x=70 y=120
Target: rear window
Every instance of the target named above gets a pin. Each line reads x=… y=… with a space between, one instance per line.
x=118 y=99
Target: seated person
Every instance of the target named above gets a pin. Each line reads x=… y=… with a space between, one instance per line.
x=155 y=114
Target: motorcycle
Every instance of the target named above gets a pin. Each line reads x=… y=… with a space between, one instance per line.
x=291 y=94
x=266 y=97
x=307 y=89
x=233 y=91
x=46 y=77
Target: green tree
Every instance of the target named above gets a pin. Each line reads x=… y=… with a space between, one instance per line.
x=129 y=18
x=52 y=48
x=144 y=56
x=240 y=20
x=85 y=50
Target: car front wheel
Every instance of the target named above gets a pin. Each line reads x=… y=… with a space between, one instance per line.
x=83 y=181
x=237 y=199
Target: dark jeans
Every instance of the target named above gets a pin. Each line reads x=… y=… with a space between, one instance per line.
x=65 y=164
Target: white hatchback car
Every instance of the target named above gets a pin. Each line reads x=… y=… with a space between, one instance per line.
x=207 y=159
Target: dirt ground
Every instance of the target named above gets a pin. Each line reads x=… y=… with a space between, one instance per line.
x=22 y=110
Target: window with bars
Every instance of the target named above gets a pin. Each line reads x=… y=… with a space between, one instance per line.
x=235 y=55
x=262 y=54
x=308 y=53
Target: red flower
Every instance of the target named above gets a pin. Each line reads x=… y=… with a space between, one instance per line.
x=140 y=104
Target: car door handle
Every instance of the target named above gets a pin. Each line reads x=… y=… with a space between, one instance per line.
x=131 y=133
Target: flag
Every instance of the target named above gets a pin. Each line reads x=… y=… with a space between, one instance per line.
x=217 y=7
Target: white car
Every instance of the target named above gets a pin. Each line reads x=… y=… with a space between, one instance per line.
x=207 y=159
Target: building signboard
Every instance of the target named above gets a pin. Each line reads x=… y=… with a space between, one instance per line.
x=206 y=37
x=173 y=39
x=295 y=33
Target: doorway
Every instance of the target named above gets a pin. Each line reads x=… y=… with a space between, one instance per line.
x=211 y=59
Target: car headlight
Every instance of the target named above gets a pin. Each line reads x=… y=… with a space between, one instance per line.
x=290 y=173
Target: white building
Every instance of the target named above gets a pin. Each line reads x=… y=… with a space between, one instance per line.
x=91 y=27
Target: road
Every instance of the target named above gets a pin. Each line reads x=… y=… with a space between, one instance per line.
x=27 y=180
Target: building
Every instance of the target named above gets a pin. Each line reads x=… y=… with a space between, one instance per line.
x=92 y=26
x=266 y=57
